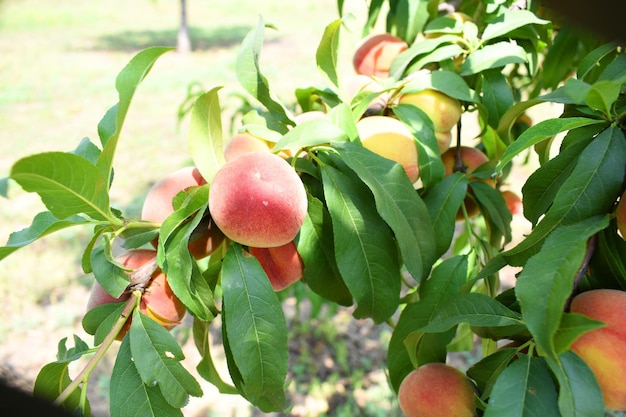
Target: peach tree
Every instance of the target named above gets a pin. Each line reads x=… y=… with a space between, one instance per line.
x=423 y=252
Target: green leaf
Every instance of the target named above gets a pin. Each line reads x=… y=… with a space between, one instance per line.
x=176 y=261
x=157 y=358
x=326 y=55
x=591 y=61
x=44 y=223
x=508 y=22
x=315 y=246
x=496 y=55
x=126 y=83
x=51 y=380
x=571 y=327
x=497 y=214
x=411 y=16
x=524 y=389
x=205 y=134
x=311 y=133
x=398 y=204
x=415 y=50
x=252 y=80
x=444 y=284
x=544 y=183
x=447 y=82
x=473 y=308
x=364 y=246
x=129 y=396
x=547 y=279
x=579 y=392
x=540 y=132
x=206 y=367
x=431 y=169
x=589 y=191
x=486 y=371
x=602 y=95
x=497 y=95
x=443 y=201
x=256 y=330
x=109 y=273
x=67 y=184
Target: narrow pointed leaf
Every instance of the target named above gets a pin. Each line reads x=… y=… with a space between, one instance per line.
x=579 y=392
x=524 y=389
x=126 y=84
x=590 y=190
x=256 y=330
x=327 y=52
x=44 y=223
x=252 y=80
x=547 y=280
x=398 y=204
x=444 y=284
x=492 y=56
x=129 y=396
x=364 y=246
x=205 y=134
x=67 y=184
x=540 y=132
x=475 y=309
x=508 y=22
x=443 y=201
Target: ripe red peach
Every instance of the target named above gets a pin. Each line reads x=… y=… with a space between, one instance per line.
x=157 y=302
x=282 y=264
x=258 y=200
x=244 y=142
x=513 y=202
x=391 y=139
x=375 y=53
x=443 y=110
x=604 y=348
x=437 y=390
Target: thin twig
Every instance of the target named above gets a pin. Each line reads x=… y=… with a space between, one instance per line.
x=106 y=343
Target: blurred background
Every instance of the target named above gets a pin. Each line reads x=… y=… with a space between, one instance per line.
x=58 y=63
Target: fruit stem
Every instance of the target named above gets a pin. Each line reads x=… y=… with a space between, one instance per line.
x=83 y=376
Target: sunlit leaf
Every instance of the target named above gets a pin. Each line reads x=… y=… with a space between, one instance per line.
x=205 y=134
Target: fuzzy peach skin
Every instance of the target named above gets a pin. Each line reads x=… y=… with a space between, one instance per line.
x=444 y=111
x=390 y=138
x=158 y=203
x=375 y=53
x=244 y=142
x=282 y=264
x=258 y=200
x=604 y=348
x=436 y=390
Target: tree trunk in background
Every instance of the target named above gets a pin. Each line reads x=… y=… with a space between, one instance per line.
x=183 y=41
